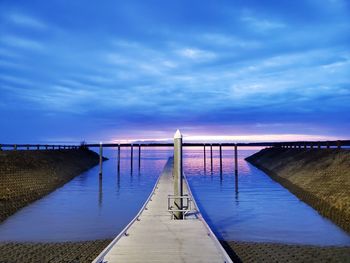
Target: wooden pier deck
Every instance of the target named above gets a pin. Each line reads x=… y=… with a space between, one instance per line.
x=154 y=237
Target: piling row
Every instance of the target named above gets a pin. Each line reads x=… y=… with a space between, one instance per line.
x=16 y=147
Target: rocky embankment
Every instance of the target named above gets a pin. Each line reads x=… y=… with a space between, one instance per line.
x=64 y=252
x=253 y=252
x=319 y=177
x=26 y=176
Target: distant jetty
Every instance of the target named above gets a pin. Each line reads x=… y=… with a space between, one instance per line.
x=319 y=177
x=26 y=176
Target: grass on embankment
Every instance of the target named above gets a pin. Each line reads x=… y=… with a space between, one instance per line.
x=319 y=177
x=28 y=175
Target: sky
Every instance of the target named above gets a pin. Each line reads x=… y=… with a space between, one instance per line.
x=138 y=70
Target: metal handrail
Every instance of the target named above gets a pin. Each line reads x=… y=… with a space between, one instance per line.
x=186 y=208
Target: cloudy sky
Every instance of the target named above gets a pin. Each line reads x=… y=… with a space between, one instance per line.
x=116 y=70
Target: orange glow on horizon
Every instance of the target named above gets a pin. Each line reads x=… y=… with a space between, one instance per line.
x=235 y=138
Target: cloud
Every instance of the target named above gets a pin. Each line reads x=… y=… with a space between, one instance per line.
x=223 y=68
x=196 y=54
x=20 y=42
x=261 y=24
x=26 y=21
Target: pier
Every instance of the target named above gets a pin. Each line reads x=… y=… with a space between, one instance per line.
x=168 y=228
x=154 y=236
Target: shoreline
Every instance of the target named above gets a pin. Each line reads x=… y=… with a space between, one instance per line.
x=239 y=251
x=318 y=177
x=29 y=175
x=77 y=252
x=278 y=252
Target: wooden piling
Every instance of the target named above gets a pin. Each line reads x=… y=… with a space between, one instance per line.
x=101 y=158
x=220 y=150
x=118 y=157
x=211 y=157
x=328 y=145
x=339 y=144
x=205 y=157
x=178 y=174
x=139 y=156
x=236 y=159
x=131 y=156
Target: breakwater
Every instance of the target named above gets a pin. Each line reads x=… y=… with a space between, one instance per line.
x=319 y=177
x=26 y=176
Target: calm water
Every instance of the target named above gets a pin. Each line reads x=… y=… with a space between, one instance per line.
x=253 y=209
x=85 y=208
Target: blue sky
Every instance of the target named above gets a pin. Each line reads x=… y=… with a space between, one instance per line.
x=116 y=70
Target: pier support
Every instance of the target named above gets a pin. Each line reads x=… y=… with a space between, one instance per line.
x=220 y=150
x=205 y=158
x=118 y=157
x=178 y=173
x=139 y=156
x=131 y=156
x=339 y=144
x=236 y=160
x=101 y=158
x=211 y=158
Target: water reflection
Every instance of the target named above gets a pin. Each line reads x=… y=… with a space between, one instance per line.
x=90 y=206
x=245 y=205
x=250 y=206
x=100 y=191
x=236 y=185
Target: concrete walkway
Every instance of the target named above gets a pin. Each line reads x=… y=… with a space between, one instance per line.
x=154 y=237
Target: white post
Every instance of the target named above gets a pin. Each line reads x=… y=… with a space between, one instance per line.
x=178 y=184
